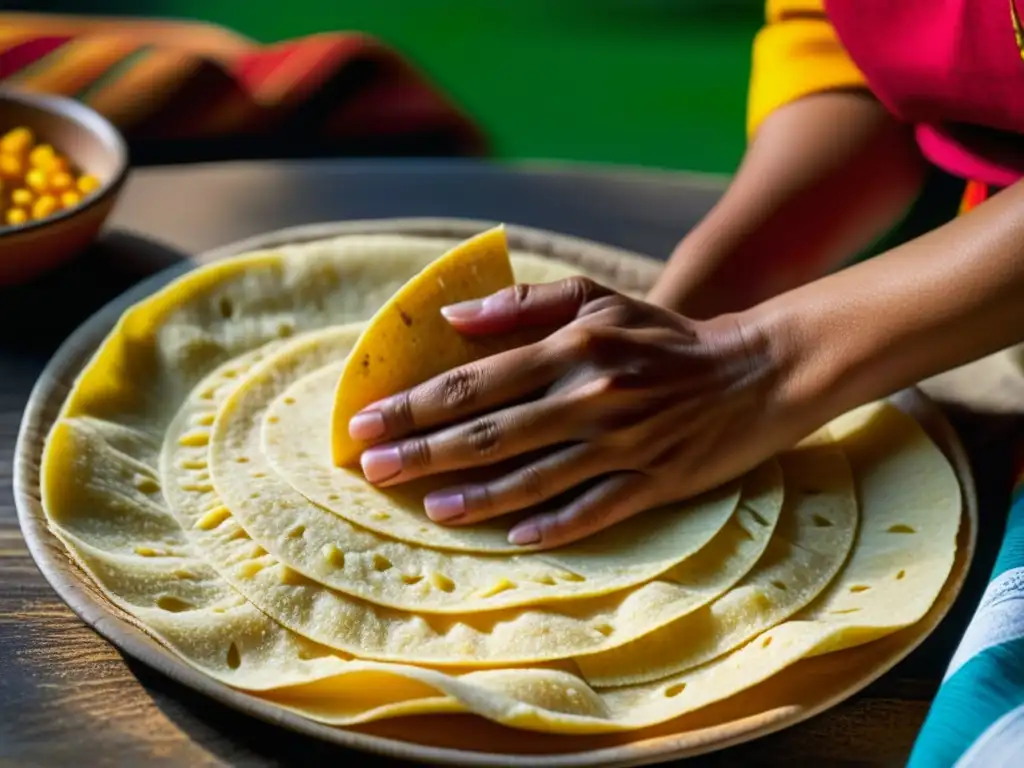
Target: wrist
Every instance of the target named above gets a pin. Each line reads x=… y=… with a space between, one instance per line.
x=836 y=346
x=756 y=355
x=802 y=390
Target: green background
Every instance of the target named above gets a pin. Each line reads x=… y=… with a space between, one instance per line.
x=637 y=82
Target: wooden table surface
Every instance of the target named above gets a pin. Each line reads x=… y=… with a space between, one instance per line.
x=69 y=698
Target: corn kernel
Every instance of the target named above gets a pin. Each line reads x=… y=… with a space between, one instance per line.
x=70 y=199
x=16 y=217
x=17 y=141
x=11 y=167
x=88 y=184
x=41 y=156
x=36 y=180
x=58 y=164
x=22 y=197
x=45 y=206
x=61 y=182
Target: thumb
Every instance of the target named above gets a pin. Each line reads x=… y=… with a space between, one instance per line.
x=524 y=306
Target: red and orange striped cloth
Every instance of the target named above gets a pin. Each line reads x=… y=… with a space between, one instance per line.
x=166 y=82
x=975 y=193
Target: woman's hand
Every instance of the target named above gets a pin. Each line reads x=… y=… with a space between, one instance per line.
x=632 y=404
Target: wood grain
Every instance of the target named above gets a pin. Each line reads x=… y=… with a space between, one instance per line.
x=68 y=697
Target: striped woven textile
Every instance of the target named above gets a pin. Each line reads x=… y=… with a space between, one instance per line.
x=168 y=82
x=975 y=193
x=977 y=717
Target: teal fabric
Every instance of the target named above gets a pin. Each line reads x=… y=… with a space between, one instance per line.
x=977 y=718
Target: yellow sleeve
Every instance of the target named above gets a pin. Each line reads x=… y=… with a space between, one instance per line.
x=795 y=54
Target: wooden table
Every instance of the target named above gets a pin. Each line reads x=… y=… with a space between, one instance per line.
x=69 y=698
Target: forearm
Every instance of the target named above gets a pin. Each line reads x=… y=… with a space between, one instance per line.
x=824 y=177
x=933 y=304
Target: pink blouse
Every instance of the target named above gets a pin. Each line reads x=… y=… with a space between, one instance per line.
x=953 y=68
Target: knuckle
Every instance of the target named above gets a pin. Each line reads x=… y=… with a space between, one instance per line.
x=532 y=484
x=401 y=412
x=416 y=454
x=579 y=289
x=483 y=436
x=613 y=308
x=479 y=500
x=521 y=294
x=459 y=388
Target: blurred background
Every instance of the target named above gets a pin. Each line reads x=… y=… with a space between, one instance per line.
x=636 y=82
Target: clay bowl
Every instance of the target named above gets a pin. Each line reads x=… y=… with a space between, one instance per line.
x=94 y=146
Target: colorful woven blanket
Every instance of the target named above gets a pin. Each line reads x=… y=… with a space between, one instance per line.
x=181 y=87
x=977 y=718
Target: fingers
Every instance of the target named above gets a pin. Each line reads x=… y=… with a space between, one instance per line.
x=458 y=394
x=612 y=500
x=487 y=440
x=486 y=384
x=528 y=486
x=525 y=306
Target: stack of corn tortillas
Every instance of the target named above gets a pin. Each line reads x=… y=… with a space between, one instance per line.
x=193 y=475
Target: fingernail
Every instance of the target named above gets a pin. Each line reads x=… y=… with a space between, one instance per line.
x=381 y=464
x=442 y=506
x=368 y=425
x=466 y=310
x=525 y=534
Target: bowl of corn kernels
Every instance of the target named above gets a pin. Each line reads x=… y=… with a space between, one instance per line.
x=62 y=166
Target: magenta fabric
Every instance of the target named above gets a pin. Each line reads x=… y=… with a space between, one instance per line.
x=950 y=67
